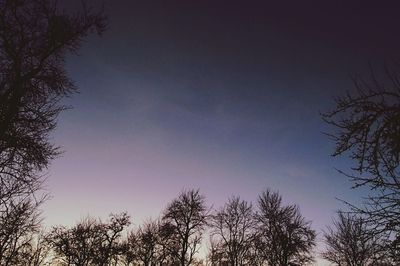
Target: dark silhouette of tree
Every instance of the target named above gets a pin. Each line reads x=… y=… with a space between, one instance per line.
x=284 y=237
x=78 y=245
x=34 y=38
x=128 y=247
x=187 y=217
x=367 y=125
x=350 y=242
x=147 y=236
x=234 y=226
x=143 y=245
x=216 y=254
x=111 y=248
x=254 y=257
x=36 y=252
x=18 y=224
x=90 y=242
x=169 y=244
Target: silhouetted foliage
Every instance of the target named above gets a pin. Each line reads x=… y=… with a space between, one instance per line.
x=234 y=226
x=90 y=242
x=284 y=237
x=186 y=217
x=350 y=242
x=368 y=129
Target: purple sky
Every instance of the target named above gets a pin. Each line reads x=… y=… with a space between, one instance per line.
x=223 y=96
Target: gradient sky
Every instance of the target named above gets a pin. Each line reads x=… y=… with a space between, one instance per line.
x=218 y=95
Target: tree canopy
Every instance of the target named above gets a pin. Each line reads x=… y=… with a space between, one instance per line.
x=367 y=129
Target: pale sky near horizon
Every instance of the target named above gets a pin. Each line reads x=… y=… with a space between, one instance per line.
x=223 y=96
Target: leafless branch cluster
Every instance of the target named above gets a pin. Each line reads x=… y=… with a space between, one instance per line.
x=367 y=125
x=273 y=234
x=34 y=38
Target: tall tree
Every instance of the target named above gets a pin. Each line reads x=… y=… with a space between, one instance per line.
x=234 y=226
x=187 y=216
x=350 y=242
x=367 y=124
x=284 y=236
x=34 y=39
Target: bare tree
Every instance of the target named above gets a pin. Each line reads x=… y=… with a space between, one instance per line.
x=128 y=247
x=153 y=243
x=350 y=242
x=37 y=252
x=34 y=38
x=187 y=216
x=90 y=242
x=168 y=244
x=144 y=244
x=254 y=257
x=18 y=224
x=110 y=248
x=148 y=240
x=234 y=226
x=78 y=245
x=216 y=254
x=367 y=125
x=284 y=236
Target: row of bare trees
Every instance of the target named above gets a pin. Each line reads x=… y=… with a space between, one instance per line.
x=271 y=234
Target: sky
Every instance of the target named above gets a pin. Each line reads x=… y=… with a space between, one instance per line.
x=224 y=96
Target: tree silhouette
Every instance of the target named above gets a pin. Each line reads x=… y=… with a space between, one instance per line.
x=78 y=245
x=283 y=236
x=169 y=244
x=18 y=224
x=367 y=125
x=350 y=242
x=187 y=217
x=234 y=225
x=128 y=250
x=36 y=252
x=147 y=237
x=216 y=254
x=143 y=245
x=90 y=242
x=34 y=38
